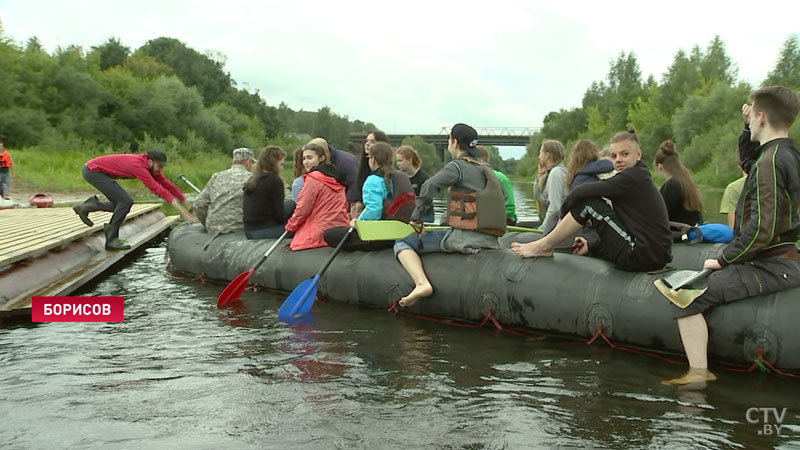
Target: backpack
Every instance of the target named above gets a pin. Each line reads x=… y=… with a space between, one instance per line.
x=400 y=207
x=709 y=232
x=401 y=203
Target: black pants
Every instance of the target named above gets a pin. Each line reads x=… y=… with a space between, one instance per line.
x=270 y=230
x=120 y=202
x=739 y=281
x=612 y=242
x=353 y=243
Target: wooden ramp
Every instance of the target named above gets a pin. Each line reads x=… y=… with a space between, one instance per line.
x=31 y=231
x=50 y=251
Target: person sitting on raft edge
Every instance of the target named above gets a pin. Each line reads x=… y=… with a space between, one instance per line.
x=476 y=211
x=387 y=194
x=633 y=231
x=762 y=258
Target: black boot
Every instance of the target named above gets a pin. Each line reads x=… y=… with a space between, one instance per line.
x=91 y=204
x=112 y=238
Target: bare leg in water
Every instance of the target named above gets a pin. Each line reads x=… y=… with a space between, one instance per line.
x=694 y=335
x=544 y=246
x=411 y=261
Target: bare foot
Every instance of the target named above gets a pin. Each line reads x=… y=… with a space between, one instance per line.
x=531 y=249
x=692 y=376
x=424 y=290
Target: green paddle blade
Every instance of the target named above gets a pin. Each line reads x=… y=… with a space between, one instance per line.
x=383 y=230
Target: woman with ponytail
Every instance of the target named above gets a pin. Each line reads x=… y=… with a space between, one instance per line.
x=384 y=184
x=679 y=191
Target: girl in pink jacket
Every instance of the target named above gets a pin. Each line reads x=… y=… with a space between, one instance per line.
x=322 y=202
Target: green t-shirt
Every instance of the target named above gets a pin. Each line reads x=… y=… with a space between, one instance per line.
x=511 y=208
x=731 y=196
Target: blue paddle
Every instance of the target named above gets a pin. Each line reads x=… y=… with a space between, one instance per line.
x=302 y=297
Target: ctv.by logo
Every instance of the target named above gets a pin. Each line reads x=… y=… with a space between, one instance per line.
x=753 y=416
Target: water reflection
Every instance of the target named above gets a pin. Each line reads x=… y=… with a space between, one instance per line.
x=179 y=373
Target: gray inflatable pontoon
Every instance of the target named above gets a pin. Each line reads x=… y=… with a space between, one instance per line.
x=565 y=295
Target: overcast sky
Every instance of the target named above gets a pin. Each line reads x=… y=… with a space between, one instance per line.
x=417 y=66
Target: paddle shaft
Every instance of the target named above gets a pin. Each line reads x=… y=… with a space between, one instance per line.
x=183 y=178
x=335 y=251
x=269 y=252
x=698 y=276
x=235 y=288
x=310 y=290
x=508 y=228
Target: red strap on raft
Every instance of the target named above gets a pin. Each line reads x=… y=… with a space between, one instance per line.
x=764 y=365
x=601 y=334
x=202 y=280
x=489 y=316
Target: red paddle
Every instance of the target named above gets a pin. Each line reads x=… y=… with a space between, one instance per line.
x=235 y=288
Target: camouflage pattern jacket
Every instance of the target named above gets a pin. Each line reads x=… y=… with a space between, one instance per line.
x=219 y=206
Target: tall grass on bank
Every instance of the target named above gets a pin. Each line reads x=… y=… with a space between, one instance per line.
x=56 y=166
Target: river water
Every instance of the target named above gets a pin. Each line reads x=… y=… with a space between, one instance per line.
x=179 y=373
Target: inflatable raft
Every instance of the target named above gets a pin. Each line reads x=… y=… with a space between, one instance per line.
x=565 y=295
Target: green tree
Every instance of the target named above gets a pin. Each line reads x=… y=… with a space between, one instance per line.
x=112 y=53
x=192 y=67
x=786 y=71
x=251 y=104
x=143 y=66
x=715 y=64
x=564 y=125
x=332 y=127
x=680 y=81
x=701 y=115
x=34 y=45
x=652 y=125
x=624 y=87
x=20 y=126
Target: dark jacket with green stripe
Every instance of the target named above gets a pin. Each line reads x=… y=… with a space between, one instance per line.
x=767 y=216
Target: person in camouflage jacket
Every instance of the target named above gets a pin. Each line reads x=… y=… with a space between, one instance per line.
x=219 y=205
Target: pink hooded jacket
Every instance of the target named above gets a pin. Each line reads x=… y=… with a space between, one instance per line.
x=322 y=204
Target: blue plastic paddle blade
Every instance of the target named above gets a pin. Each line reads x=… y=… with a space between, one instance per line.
x=304 y=307
x=302 y=295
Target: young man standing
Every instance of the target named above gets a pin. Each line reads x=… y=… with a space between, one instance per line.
x=762 y=258
x=633 y=231
x=100 y=172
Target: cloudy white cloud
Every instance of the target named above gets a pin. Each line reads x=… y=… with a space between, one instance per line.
x=417 y=66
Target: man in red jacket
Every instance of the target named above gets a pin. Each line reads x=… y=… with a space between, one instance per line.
x=100 y=172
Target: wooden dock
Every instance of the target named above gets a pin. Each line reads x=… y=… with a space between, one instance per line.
x=50 y=251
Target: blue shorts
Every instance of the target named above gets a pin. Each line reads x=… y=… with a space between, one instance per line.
x=431 y=242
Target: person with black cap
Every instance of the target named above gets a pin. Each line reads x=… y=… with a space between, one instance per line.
x=476 y=212
x=100 y=172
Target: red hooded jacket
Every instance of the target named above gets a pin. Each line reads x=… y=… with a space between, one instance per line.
x=322 y=204
x=127 y=165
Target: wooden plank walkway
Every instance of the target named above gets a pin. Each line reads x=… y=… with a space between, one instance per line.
x=31 y=231
x=68 y=279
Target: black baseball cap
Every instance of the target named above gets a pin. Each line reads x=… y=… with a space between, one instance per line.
x=157 y=156
x=466 y=136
